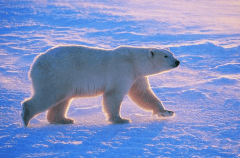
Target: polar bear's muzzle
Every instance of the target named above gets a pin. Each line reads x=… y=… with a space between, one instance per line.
x=176 y=63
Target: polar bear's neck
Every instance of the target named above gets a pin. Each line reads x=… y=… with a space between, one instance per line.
x=138 y=58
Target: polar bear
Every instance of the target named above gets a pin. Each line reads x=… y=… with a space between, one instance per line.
x=67 y=72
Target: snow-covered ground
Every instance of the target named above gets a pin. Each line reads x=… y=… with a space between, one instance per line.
x=204 y=91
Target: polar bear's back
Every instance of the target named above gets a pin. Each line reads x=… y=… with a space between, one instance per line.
x=81 y=68
x=67 y=58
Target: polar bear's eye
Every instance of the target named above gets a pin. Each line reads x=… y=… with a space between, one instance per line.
x=165 y=56
x=152 y=53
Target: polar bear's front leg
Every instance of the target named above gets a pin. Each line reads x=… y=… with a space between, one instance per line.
x=165 y=113
x=144 y=97
x=112 y=101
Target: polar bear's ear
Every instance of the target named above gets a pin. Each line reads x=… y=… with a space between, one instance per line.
x=168 y=49
x=151 y=53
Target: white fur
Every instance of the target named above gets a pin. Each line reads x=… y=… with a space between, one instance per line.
x=66 y=72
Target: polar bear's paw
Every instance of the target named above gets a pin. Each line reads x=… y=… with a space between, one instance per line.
x=165 y=113
x=63 y=121
x=119 y=120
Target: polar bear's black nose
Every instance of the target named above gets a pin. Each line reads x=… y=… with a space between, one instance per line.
x=177 y=63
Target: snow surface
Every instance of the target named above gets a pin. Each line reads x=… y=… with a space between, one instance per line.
x=204 y=91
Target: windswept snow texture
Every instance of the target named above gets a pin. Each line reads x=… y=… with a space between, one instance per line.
x=204 y=91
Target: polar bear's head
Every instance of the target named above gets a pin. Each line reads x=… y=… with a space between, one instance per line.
x=161 y=60
x=147 y=61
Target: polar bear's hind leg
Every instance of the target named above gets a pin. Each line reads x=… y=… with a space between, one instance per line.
x=27 y=113
x=38 y=103
x=58 y=113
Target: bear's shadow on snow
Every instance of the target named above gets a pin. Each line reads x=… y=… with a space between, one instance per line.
x=99 y=133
